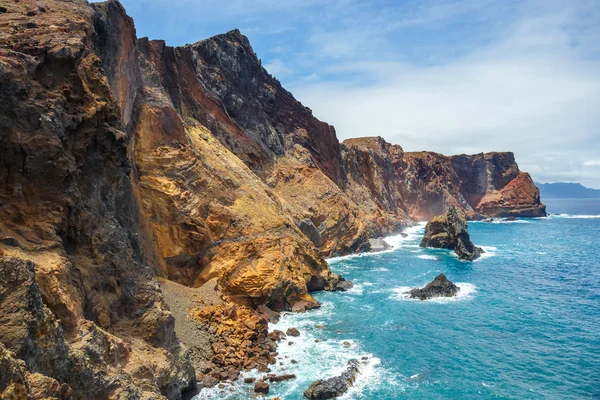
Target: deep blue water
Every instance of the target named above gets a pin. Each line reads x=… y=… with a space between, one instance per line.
x=526 y=325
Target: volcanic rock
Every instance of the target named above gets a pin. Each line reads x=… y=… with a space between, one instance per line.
x=261 y=387
x=292 y=332
x=379 y=244
x=450 y=231
x=336 y=386
x=280 y=378
x=439 y=287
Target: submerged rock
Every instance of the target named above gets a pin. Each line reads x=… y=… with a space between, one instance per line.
x=336 y=386
x=439 y=287
x=379 y=244
x=450 y=231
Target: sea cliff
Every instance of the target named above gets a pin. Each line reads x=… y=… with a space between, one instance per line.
x=124 y=159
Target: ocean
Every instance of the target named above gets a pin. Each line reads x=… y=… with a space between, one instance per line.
x=526 y=323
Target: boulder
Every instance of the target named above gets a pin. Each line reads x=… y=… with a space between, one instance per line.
x=336 y=386
x=261 y=387
x=379 y=244
x=439 y=287
x=450 y=231
x=292 y=332
x=511 y=218
x=281 y=378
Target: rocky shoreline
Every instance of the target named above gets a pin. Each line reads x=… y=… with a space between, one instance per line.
x=126 y=160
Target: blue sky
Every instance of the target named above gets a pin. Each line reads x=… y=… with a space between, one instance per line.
x=453 y=76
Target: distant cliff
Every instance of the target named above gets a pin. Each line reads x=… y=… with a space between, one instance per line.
x=123 y=159
x=566 y=190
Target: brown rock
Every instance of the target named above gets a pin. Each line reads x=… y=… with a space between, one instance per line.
x=292 y=332
x=261 y=387
x=281 y=378
x=450 y=231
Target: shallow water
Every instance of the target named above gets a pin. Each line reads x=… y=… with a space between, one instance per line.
x=525 y=325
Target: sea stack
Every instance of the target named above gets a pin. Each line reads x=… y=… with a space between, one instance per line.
x=450 y=231
x=439 y=287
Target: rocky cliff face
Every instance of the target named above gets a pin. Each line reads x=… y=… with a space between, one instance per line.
x=123 y=158
x=79 y=305
x=425 y=184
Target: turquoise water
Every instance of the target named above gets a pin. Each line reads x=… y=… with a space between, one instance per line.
x=526 y=325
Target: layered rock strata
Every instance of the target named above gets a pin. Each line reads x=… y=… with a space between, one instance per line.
x=450 y=231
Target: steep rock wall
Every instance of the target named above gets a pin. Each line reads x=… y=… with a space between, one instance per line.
x=425 y=184
x=69 y=228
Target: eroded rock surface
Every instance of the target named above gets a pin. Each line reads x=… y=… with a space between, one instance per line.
x=336 y=386
x=439 y=287
x=450 y=231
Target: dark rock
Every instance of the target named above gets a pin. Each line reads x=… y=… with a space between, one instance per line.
x=261 y=387
x=209 y=381
x=511 y=218
x=311 y=231
x=439 y=287
x=336 y=386
x=379 y=244
x=343 y=285
x=281 y=378
x=249 y=380
x=292 y=332
x=450 y=231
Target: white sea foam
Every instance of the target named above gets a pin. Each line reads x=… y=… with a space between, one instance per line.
x=405 y=239
x=490 y=251
x=466 y=292
x=357 y=288
x=427 y=257
x=408 y=237
x=574 y=216
x=332 y=355
x=501 y=221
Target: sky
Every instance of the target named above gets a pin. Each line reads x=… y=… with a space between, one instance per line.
x=452 y=76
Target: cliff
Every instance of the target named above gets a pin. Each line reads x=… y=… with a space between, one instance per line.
x=123 y=159
x=425 y=184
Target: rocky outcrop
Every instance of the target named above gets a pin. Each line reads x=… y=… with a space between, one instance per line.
x=336 y=386
x=439 y=287
x=450 y=231
x=420 y=185
x=379 y=244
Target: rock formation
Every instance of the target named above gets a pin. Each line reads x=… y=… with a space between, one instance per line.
x=439 y=287
x=124 y=159
x=336 y=386
x=379 y=244
x=424 y=184
x=450 y=231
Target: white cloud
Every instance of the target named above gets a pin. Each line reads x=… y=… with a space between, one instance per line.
x=534 y=91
